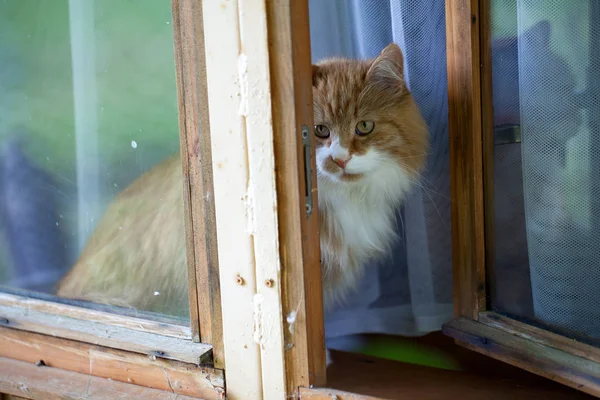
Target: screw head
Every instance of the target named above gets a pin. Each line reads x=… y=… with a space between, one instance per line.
x=239 y=280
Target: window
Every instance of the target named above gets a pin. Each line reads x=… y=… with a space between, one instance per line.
x=207 y=107
x=91 y=102
x=524 y=184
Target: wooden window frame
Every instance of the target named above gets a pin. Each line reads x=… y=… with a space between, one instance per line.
x=256 y=313
x=261 y=113
x=576 y=364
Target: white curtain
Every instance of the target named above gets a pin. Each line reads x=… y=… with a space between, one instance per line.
x=558 y=84
x=410 y=293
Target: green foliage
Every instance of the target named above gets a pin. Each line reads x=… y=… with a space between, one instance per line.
x=135 y=77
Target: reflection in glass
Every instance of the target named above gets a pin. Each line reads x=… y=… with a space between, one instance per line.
x=546 y=66
x=87 y=104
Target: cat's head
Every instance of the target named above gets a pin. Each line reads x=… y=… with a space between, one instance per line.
x=366 y=122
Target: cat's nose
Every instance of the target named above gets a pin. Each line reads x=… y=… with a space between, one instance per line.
x=340 y=162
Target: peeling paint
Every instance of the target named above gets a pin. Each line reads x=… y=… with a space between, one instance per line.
x=249 y=201
x=258 y=317
x=243 y=77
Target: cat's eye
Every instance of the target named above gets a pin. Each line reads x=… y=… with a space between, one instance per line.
x=322 y=131
x=363 y=128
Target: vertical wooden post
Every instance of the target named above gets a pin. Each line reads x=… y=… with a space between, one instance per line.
x=229 y=87
x=291 y=83
x=196 y=158
x=256 y=101
x=465 y=128
x=260 y=96
x=488 y=142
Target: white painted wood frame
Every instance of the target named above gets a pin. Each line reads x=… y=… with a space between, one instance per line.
x=245 y=197
x=264 y=359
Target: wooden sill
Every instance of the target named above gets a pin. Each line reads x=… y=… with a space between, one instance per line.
x=26 y=380
x=367 y=378
x=101 y=328
x=116 y=365
x=530 y=354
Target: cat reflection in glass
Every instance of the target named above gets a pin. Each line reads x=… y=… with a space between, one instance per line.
x=371 y=144
x=534 y=89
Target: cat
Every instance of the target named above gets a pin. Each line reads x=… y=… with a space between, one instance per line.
x=371 y=145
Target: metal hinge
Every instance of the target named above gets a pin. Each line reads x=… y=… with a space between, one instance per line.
x=307 y=169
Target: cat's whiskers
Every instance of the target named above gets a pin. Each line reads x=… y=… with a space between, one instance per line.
x=416 y=179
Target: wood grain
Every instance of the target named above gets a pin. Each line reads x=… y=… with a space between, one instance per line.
x=27 y=380
x=268 y=246
x=291 y=89
x=106 y=335
x=487 y=133
x=332 y=394
x=466 y=155
x=361 y=375
x=196 y=157
x=228 y=90
x=104 y=317
x=257 y=110
x=540 y=336
x=560 y=366
x=178 y=377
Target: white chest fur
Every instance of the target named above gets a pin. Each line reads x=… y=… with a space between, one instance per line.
x=362 y=217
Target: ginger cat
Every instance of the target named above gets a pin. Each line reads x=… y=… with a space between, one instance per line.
x=371 y=145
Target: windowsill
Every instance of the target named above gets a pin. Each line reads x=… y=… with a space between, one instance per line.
x=481 y=378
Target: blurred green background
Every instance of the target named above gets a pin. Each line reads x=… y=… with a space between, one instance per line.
x=132 y=42
x=135 y=78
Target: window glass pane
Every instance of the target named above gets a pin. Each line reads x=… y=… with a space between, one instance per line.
x=88 y=105
x=546 y=69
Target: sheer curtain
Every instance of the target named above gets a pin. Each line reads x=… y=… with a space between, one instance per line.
x=547 y=60
x=410 y=293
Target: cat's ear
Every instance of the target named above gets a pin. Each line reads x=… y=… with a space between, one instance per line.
x=388 y=67
x=317 y=73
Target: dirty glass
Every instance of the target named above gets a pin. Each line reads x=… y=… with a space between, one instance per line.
x=88 y=105
x=546 y=69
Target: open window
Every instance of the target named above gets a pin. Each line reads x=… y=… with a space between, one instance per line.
x=206 y=107
x=522 y=97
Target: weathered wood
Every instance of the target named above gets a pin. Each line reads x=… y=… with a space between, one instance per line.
x=291 y=90
x=487 y=134
x=85 y=314
x=466 y=155
x=558 y=365
x=331 y=394
x=229 y=86
x=262 y=202
x=106 y=335
x=541 y=336
x=178 y=377
x=43 y=383
x=261 y=216
x=196 y=157
x=370 y=376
